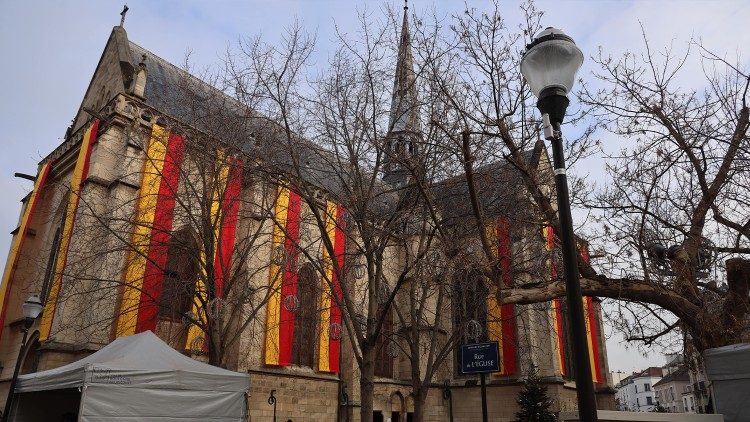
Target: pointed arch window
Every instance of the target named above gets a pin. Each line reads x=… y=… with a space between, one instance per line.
x=31 y=356
x=385 y=348
x=305 y=317
x=49 y=271
x=180 y=275
x=567 y=355
x=469 y=309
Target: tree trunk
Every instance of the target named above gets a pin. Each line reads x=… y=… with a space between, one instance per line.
x=416 y=363
x=366 y=383
x=726 y=325
x=420 y=398
x=737 y=305
x=214 y=355
x=215 y=347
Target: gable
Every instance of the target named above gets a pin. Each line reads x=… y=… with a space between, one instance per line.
x=113 y=75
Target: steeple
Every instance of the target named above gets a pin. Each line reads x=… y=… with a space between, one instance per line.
x=403 y=139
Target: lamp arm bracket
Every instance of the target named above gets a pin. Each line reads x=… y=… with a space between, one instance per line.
x=550 y=131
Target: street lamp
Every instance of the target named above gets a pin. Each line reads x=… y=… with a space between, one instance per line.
x=31 y=309
x=549 y=66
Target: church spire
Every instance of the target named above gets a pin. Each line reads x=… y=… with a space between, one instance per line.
x=403 y=138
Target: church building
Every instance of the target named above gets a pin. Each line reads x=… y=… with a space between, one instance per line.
x=169 y=208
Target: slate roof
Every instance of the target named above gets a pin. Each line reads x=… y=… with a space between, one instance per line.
x=501 y=191
x=184 y=97
x=680 y=374
x=180 y=95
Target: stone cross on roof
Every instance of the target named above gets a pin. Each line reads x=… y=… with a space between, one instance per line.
x=122 y=15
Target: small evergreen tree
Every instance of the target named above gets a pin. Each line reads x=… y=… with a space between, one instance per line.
x=533 y=401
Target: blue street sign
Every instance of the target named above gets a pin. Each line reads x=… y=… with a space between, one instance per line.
x=480 y=358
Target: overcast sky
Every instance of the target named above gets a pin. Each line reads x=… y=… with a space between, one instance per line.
x=49 y=51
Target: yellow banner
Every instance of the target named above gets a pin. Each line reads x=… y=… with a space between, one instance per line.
x=79 y=174
x=273 y=306
x=144 y=217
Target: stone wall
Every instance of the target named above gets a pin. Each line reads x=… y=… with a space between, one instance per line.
x=301 y=398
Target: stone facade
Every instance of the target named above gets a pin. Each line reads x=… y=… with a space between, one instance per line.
x=302 y=396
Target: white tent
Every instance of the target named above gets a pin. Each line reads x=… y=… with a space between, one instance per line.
x=134 y=378
x=728 y=368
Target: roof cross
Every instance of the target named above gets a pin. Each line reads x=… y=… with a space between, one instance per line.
x=122 y=15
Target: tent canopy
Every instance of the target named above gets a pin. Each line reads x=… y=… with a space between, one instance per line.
x=139 y=377
x=728 y=369
x=140 y=360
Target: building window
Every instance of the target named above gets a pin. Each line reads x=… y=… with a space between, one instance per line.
x=384 y=348
x=31 y=360
x=646 y=387
x=305 y=318
x=567 y=343
x=649 y=400
x=180 y=275
x=49 y=272
x=470 y=304
x=469 y=308
x=399 y=146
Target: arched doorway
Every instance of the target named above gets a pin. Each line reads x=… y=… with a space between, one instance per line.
x=398 y=407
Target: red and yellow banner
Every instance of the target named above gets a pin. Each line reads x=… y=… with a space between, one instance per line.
x=282 y=278
x=592 y=338
x=501 y=320
x=558 y=322
x=144 y=268
x=556 y=313
x=80 y=173
x=329 y=341
x=18 y=240
x=592 y=331
x=559 y=330
x=228 y=227
x=224 y=211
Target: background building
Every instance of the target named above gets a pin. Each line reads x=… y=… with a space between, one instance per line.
x=635 y=393
x=670 y=389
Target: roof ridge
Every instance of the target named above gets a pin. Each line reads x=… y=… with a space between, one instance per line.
x=185 y=72
x=497 y=164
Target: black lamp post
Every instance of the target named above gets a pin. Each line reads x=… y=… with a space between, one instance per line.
x=31 y=309
x=549 y=65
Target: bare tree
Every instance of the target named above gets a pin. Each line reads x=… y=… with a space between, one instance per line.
x=677 y=202
x=676 y=207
